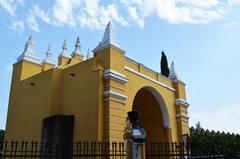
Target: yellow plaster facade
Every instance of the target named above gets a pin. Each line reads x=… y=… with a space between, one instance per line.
x=99 y=92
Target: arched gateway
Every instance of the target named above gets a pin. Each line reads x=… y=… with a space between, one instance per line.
x=154 y=115
x=89 y=99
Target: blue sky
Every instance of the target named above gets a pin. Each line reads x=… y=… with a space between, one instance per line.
x=201 y=36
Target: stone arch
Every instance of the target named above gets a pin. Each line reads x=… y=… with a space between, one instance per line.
x=152 y=107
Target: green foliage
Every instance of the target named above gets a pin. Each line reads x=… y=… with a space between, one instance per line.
x=215 y=142
x=164 y=65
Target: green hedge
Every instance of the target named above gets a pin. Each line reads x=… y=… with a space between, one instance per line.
x=215 y=142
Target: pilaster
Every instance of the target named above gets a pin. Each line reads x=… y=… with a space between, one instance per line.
x=115 y=104
x=182 y=117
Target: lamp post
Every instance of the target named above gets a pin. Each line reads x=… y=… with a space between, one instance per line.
x=137 y=133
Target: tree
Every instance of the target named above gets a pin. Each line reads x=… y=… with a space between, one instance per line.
x=198 y=126
x=164 y=65
x=214 y=142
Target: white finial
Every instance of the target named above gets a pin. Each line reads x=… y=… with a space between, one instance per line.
x=64 y=52
x=109 y=39
x=88 y=54
x=48 y=58
x=109 y=36
x=29 y=53
x=173 y=75
x=77 y=48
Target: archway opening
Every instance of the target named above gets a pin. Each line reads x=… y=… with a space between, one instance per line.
x=153 y=114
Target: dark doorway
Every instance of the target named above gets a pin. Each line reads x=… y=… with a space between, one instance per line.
x=57 y=136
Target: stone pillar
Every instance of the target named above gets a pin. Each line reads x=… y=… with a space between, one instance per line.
x=182 y=117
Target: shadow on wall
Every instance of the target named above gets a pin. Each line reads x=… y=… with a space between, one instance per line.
x=1 y=138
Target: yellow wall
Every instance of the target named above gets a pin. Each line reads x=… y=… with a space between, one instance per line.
x=80 y=96
x=29 y=103
x=79 y=89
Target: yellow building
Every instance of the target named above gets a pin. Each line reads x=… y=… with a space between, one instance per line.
x=91 y=97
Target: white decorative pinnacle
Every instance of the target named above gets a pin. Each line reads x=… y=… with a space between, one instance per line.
x=64 y=52
x=77 y=50
x=48 y=58
x=108 y=40
x=88 y=54
x=173 y=75
x=29 y=53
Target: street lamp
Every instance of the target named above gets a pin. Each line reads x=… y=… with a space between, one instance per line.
x=138 y=133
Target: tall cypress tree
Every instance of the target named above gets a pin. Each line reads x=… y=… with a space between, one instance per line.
x=164 y=65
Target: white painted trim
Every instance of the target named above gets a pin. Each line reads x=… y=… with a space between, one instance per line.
x=97 y=49
x=115 y=130
x=122 y=110
x=40 y=64
x=115 y=95
x=28 y=58
x=148 y=78
x=115 y=100
x=182 y=117
x=111 y=74
x=145 y=67
x=116 y=138
x=182 y=102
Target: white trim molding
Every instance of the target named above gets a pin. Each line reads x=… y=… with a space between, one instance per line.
x=145 y=67
x=115 y=100
x=148 y=78
x=111 y=74
x=182 y=117
x=108 y=46
x=114 y=95
x=182 y=102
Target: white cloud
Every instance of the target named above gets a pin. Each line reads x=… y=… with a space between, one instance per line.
x=86 y=13
x=200 y=3
x=179 y=11
x=133 y=13
x=95 y=14
x=32 y=23
x=8 y=5
x=36 y=11
x=223 y=118
x=17 y=26
x=63 y=12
